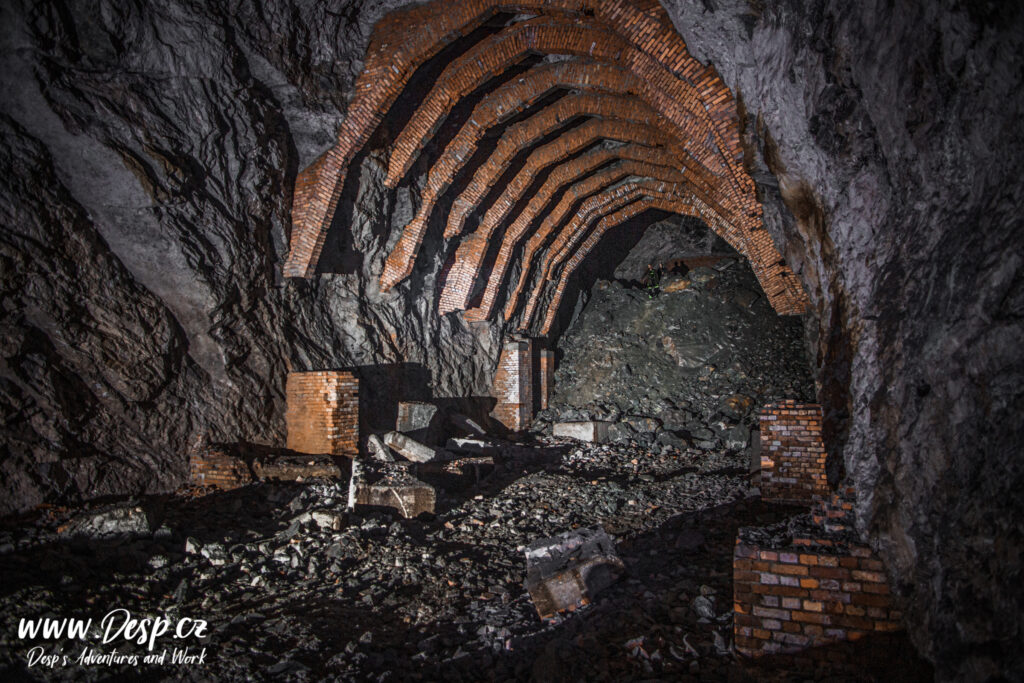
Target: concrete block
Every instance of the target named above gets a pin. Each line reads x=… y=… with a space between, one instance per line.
x=414 y=416
x=378 y=449
x=593 y=431
x=566 y=571
x=390 y=486
x=413 y=450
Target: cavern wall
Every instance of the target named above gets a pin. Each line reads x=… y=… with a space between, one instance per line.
x=884 y=140
x=147 y=159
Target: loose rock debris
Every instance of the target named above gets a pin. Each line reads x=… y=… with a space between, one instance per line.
x=297 y=587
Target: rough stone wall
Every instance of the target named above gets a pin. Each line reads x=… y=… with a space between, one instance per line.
x=886 y=139
x=147 y=158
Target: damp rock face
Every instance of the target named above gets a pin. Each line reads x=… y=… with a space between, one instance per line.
x=147 y=160
x=697 y=360
x=885 y=143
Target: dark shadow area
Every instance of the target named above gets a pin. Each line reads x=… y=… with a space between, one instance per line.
x=382 y=387
x=339 y=255
x=600 y=263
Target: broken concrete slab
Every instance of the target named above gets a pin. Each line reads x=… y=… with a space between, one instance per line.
x=378 y=450
x=295 y=468
x=410 y=498
x=389 y=485
x=413 y=450
x=465 y=444
x=467 y=424
x=112 y=520
x=592 y=431
x=566 y=571
x=414 y=416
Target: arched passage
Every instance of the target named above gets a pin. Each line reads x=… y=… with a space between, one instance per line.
x=650 y=61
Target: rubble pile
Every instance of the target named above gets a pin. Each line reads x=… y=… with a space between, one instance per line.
x=690 y=366
x=298 y=586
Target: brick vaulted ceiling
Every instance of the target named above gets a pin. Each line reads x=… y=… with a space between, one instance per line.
x=644 y=126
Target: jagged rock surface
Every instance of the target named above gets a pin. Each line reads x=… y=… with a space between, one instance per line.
x=891 y=133
x=147 y=161
x=700 y=357
x=667 y=240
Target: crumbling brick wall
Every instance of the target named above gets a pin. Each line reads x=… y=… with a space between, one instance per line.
x=322 y=414
x=789 y=599
x=513 y=387
x=792 y=453
x=217 y=468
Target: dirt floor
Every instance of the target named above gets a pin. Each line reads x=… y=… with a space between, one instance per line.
x=441 y=597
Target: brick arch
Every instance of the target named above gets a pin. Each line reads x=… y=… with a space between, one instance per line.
x=650 y=46
x=400 y=261
x=512 y=98
x=633 y=160
x=579 y=191
x=675 y=99
x=666 y=203
x=405 y=39
x=600 y=204
x=469 y=258
x=505 y=101
x=530 y=131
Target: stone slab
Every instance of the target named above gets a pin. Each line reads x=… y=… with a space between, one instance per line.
x=593 y=431
x=566 y=571
x=413 y=450
x=414 y=416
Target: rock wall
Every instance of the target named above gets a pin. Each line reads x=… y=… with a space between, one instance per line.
x=698 y=360
x=668 y=240
x=886 y=141
x=147 y=158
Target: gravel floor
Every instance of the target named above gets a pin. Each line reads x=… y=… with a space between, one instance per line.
x=384 y=598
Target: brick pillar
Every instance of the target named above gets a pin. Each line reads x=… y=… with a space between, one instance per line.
x=547 y=377
x=512 y=386
x=322 y=414
x=792 y=453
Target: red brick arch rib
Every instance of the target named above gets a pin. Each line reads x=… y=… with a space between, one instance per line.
x=676 y=100
x=514 y=97
x=602 y=203
x=780 y=285
x=471 y=252
x=631 y=164
x=405 y=39
x=529 y=132
x=558 y=214
x=470 y=258
x=667 y=203
x=400 y=261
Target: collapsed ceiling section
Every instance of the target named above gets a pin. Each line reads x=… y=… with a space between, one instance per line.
x=641 y=125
